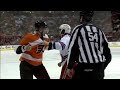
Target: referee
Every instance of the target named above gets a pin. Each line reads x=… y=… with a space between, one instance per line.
x=89 y=48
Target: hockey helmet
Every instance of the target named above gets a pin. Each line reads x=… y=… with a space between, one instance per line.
x=39 y=24
x=86 y=16
x=65 y=28
x=86 y=13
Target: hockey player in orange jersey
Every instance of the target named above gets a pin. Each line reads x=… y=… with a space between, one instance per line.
x=32 y=47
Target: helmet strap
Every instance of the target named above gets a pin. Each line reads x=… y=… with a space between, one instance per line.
x=63 y=31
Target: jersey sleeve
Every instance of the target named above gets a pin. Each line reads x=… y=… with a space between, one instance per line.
x=25 y=40
x=106 y=51
x=61 y=45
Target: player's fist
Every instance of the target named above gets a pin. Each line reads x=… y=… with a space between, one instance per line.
x=45 y=43
x=27 y=47
x=59 y=64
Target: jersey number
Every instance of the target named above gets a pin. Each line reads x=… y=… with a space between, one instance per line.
x=40 y=48
x=93 y=37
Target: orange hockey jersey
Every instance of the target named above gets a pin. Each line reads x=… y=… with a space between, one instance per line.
x=35 y=55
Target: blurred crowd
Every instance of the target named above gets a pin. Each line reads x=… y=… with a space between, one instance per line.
x=14 y=24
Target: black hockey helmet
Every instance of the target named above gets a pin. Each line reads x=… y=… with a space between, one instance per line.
x=86 y=15
x=39 y=24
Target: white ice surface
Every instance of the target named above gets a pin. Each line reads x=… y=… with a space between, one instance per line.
x=9 y=64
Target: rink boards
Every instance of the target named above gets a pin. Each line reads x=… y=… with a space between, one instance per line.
x=11 y=47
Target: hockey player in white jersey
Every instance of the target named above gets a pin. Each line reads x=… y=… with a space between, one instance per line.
x=62 y=46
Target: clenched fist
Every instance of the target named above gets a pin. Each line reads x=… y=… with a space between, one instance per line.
x=59 y=64
x=45 y=43
x=27 y=47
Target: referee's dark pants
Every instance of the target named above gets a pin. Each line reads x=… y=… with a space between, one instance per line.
x=27 y=71
x=89 y=71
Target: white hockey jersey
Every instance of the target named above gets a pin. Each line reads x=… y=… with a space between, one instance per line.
x=62 y=46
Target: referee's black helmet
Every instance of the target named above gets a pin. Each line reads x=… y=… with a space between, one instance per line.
x=86 y=15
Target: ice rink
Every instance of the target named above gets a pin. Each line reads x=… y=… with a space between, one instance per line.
x=9 y=64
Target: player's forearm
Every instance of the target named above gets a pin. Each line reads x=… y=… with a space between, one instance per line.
x=55 y=45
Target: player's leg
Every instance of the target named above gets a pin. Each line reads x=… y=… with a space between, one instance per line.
x=64 y=74
x=25 y=70
x=40 y=72
x=63 y=71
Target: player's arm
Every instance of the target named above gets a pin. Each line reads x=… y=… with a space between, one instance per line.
x=56 y=45
x=22 y=48
x=46 y=41
x=106 y=51
x=23 y=45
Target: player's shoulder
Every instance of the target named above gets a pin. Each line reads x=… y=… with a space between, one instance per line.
x=65 y=37
x=28 y=35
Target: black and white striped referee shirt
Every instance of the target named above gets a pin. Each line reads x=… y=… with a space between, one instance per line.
x=88 y=44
